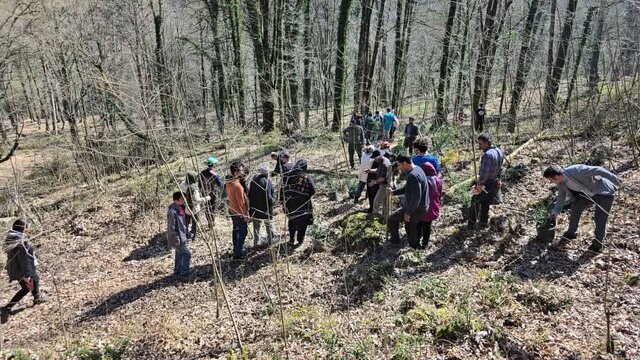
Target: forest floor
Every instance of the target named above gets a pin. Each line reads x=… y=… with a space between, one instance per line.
x=496 y=293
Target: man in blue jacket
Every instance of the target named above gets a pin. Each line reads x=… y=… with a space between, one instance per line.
x=414 y=204
x=589 y=185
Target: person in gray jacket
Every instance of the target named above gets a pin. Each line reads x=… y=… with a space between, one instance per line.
x=588 y=185
x=178 y=235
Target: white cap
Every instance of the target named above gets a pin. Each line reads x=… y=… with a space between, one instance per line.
x=263 y=169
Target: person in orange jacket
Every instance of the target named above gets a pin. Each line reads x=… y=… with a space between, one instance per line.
x=238 y=208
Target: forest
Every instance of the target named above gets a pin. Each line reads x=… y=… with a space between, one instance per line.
x=106 y=105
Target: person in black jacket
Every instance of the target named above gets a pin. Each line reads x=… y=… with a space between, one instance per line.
x=262 y=198
x=298 y=191
x=21 y=266
x=414 y=204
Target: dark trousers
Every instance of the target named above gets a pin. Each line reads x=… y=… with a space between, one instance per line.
x=393 y=130
x=239 y=234
x=193 y=220
x=24 y=290
x=480 y=204
x=359 y=190
x=298 y=226
x=371 y=195
x=354 y=149
x=424 y=229
x=182 y=260
x=603 y=207
x=393 y=227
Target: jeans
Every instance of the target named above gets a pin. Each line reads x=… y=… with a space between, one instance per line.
x=603 y=207
x=354 y=149
x=257 y=224
x=193 y=219
x=239 y=234
x=24 y=290
x=385 y=135
x=298 y=225
x=182 y=260
x=393 y=226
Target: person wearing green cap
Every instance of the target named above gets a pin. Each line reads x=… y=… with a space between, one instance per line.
x=211 y=185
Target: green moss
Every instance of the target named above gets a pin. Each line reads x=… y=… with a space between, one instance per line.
x=362 y=232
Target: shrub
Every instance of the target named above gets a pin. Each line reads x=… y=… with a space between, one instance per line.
x=362 y=232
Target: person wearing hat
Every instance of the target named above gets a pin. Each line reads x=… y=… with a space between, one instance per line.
x=354 y=137
x=298 y=191
x=262 y=199
x=365 y=165
x=211 y=184
x=21 y=267
x=381 y=181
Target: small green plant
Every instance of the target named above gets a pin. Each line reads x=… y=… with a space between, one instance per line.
x=433 y=289
x=112 y=350
x=362 y=231
x=379 y=297
x=363 y=349
x=19 y=354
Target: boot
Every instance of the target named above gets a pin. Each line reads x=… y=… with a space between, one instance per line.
x=40 y=299
x=4 y=314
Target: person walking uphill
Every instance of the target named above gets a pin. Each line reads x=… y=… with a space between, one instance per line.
x=589 y=185
x=435 y=201
x=421 y=146
x=21 y=267
x=389 y=119
x=238 y=208
x=298 y=192
x=486 y=190
x=414 y=204
x=178 y=235
x=354 y=137
x=411 y=132
x=262 y=198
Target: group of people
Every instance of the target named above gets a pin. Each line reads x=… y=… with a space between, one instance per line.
x=371 y=129
x=248 y=200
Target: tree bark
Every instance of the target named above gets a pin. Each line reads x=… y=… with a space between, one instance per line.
x=338 y=94
x=366 y=93
x=306 y=44
x=553 y=81
x=164 y=83
x=586 y=29
x=236 y=32
x=594 y=60
x=483 y=59
x=441 y=112
x=362 y=63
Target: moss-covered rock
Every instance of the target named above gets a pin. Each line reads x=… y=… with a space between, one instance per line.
x=361 y=232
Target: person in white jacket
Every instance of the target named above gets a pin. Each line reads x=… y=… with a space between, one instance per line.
x=193 y=200
x=365 y=165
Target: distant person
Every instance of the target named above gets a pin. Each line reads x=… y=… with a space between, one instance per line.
x=354 y=137
x=382 y=182
x=365 y=165
x=283 y=168
x=479 y=120
x=411 y=132
x=387 y=125
x=194 y=200
x=238 y=208
x=414 y=203
x=298 y=192
x=376 y=130
x=21 y=267
x=435 y=202
x=394 y=126
x=372 y=184
x=421 y=146
x=589 y=185
x=357 y=118
x=368 y=127
x=211 y=185
x=262 y=199
x=486 y=190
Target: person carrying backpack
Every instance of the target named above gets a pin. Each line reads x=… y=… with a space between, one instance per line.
x=21 y=267
x=376 y=129
x=211 y=185
x=262 y=199
x=435 y=202
x=298 y=192
x=193 y=199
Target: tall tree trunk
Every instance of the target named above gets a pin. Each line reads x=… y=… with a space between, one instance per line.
x=594 y=59
x=483 y=59
x=341 y=42
x=306 y=44
x=362 y=62
x=586 y=29
x=258 y=25
x=460 y=86
x=523 y=65
x=441 y=113
x=213 y=7
x=292 y=105
x=383 y=90
x=551 y=91
x=395 y=90
x=238 y=77
x=162 y=72
x=366 y=92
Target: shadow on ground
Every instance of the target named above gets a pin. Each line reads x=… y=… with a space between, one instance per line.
x=157 y=246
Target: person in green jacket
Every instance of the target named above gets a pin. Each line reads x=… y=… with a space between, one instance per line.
x=354 y=137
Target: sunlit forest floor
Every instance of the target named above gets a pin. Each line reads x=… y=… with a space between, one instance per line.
x=496 y=293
